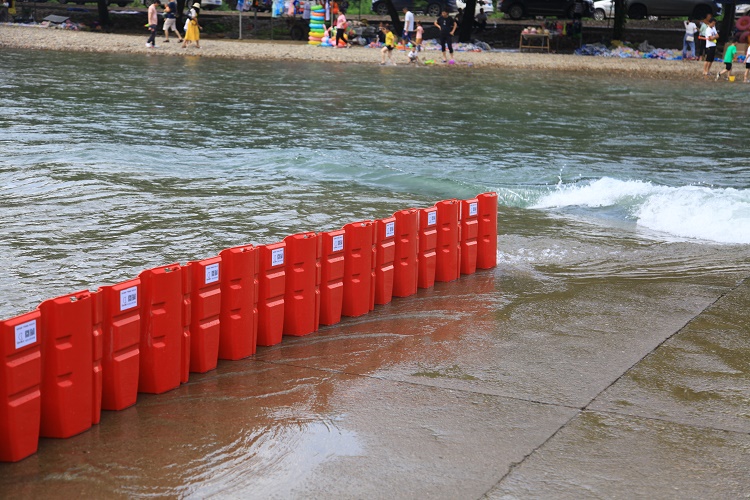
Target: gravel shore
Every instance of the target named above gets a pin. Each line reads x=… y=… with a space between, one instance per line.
x=36 y=38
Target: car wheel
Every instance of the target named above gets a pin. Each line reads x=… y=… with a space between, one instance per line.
x=701 y=11
x=516 y=11
x=434 y=10
x=381 y=9
x=297 y=32
x=637 y=11
x=599 y=14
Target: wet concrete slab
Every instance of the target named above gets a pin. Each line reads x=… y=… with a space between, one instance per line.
x=559 y=346
x=699 y=377
x=601 y=455
x=512 y=383
x=253 y=429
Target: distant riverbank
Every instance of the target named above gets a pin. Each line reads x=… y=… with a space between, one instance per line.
x=21 y=37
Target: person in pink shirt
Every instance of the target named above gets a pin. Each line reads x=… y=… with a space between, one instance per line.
x=153 y=23
x=341 y=25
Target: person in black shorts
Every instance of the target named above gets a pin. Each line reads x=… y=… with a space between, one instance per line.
x=447 y=27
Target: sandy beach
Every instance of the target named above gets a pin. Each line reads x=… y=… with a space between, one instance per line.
x=20 y=37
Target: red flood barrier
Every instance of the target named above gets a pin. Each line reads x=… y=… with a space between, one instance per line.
x=358 y=269
x=469 y=234
x=122 y=338
x=205 y=312
x=385 y=254
x=97 y=340
x=302 y=284
x=187 y=290
x=271 y=286
x=427 y=258
x=161 y=329
x=20 y=381
x=448 y=263
x=239 y=302
x=405 y=253
x=331 y=276
x=67 y=374
x=487 y=231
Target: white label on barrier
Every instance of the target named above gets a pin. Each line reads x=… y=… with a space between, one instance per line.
x=128 y=298
x=472 y=209
x=25 y=333
x=338 y=243
x=212 y=273
x=277 y=257
x=390 y=229
x=431 y=218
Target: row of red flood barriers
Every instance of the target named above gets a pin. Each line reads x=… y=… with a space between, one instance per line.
x=85 y=352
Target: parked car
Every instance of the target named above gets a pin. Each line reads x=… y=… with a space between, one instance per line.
x=694 y=9
x=604 y=9
x=120 y=3
x=481 y=4
x=742 y=9
x=210 y=4
x=430 y=7
x=518 y=9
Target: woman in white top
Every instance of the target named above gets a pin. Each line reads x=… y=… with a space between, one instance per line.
x=689 y=40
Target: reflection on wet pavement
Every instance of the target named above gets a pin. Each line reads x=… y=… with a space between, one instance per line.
x=522 y=381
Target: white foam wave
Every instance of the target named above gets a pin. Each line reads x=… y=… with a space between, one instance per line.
x=696 y=212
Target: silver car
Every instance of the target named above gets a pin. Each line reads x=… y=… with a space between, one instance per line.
x=693 y=9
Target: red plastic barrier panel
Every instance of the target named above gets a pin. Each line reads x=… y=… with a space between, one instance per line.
x=122 y=338
x=239 y=302
x=161 y=329
x=97 y=337
x=358 y=268
x=331 y=276
x=205 y=314
x=406 y=248
x=487 y=238
x=187 y=305
x=448 y=265
x=469 y=234
x=427 y=258
x=67 y=374
x=302 y=287
x=385 y=254
x=271 y=286
x=20 y=381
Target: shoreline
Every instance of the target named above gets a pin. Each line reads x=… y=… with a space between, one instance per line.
x=34 y=38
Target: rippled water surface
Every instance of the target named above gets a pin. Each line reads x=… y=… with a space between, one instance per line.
x=615 y=194
x=112 y=163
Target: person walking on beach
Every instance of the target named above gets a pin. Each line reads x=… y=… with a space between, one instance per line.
x=447 y=27
x=390 y=43
x=153 y=23
x=701 y=47
x=729 y=54
x=341 y=25
x=192 y=31
x=711 y=36
x=688 y=40
x=170 y=21
x=408 y=26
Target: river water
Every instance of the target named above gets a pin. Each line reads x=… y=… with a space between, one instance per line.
x=111 y=164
